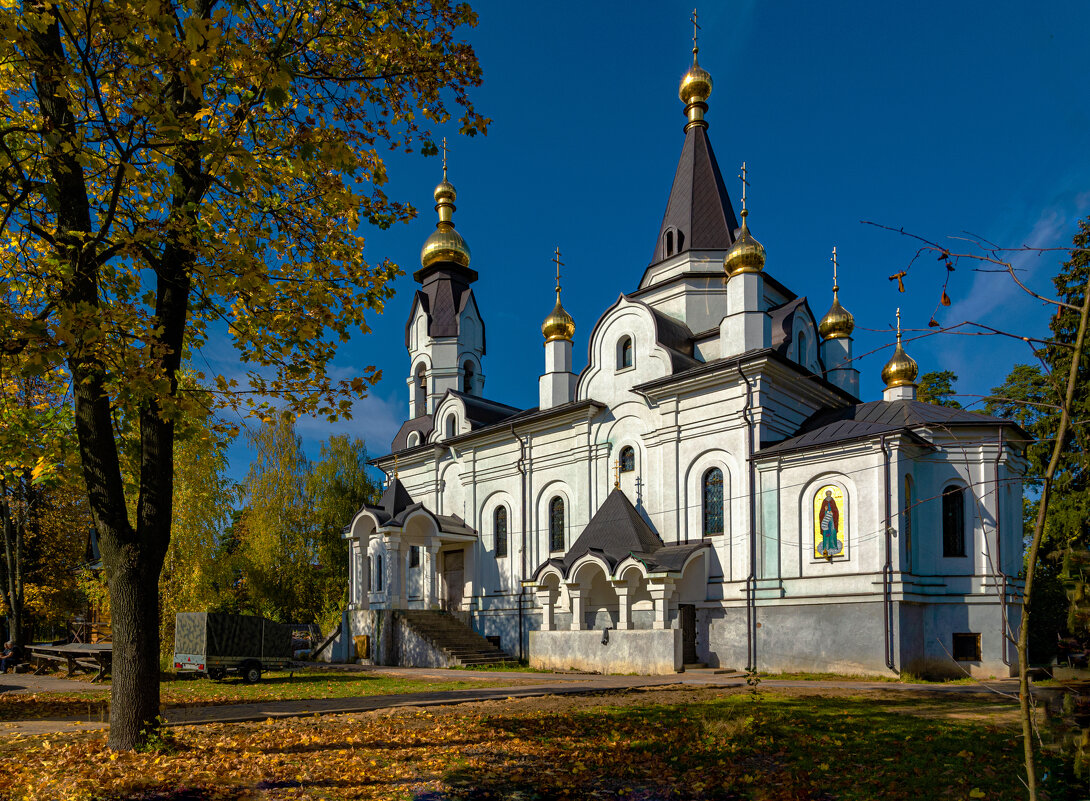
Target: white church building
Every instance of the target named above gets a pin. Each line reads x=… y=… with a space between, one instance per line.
x=709 y=488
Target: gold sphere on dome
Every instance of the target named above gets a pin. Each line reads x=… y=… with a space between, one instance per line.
x=696 y=85
x=559 y=324
x=746 y=255
x=444 y=245
x=901 y=369
x=445 y=191
x=837 y=323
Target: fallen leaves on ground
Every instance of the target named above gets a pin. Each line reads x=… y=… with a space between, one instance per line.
x=707 y=744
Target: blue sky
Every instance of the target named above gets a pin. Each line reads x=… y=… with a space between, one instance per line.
x=939 y=117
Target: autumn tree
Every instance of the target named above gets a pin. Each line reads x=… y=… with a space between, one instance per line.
x=178 y=170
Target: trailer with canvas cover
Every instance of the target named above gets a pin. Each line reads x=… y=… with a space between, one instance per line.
x=217 y=644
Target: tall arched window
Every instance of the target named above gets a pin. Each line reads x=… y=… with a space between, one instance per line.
x=668 y=249
x=467 y=381
x=801 y=347
x=712 y=496
x=499 y=530
x=420 y=398
x=628 y=459
x=624 y=353
x=451 y=423
x=556 y=524
x=378 y=572
x=953 y=522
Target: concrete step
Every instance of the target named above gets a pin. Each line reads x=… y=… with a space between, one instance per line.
x=461 y=644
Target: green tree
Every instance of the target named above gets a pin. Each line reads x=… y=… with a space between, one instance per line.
x=338 y=485
x=176 y=170
x=937 y=387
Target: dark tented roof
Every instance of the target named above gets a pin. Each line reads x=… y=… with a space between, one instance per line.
x=699 y=206
x=875 y=418
x=444 y=296
x=422 y=424
x=618 y=531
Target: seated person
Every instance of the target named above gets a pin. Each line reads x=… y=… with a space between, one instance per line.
x=8 y=657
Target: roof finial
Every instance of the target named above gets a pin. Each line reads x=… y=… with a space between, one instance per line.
x=745 y=183
x=444 y=158
x=836 y=288
x=696 y=28
x=898 y=325
x=559 y=264
x=901 y=369
x=617 y=473
x=445 y=244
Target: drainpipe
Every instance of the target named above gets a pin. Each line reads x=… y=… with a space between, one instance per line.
x=751 y=579
x=521 y=464
x=1000 y=574
x=887 y=569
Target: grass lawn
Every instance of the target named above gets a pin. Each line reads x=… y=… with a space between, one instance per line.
x=274 y=686
x=681 y=743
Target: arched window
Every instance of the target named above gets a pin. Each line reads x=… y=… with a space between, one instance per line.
x=378 y=572
x=953 y=522
x=556 y=524
x=420 y=399
x=668 y=248
x=413 y=439
x=467 y=381
x=624 y=353
x=712 y=495
x=451 y=423
x=499 y=530
x=628 y=459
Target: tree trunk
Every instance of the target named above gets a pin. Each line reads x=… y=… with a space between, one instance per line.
x=13 y=566
x=1035 y=545
x=134 y=604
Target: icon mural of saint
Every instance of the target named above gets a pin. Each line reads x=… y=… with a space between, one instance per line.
x=829 y=523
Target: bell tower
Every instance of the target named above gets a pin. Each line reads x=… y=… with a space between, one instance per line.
x=445 y=332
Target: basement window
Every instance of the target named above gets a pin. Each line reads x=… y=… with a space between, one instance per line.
x=966 y=647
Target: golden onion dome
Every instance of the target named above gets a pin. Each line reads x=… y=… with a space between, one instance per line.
x=444 y=245
x=837 y=323
x=559 y=324
x=746 y=255
x=901 y=369
x=696 y=85
x=445 y=191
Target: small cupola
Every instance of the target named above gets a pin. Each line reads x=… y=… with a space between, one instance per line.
x=445 y=245
x=838 y=322
x=746 y=255
x=900 y=371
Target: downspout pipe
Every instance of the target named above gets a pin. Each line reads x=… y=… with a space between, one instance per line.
x=521 y=465
x=999 y=572
x=887 y=568
x=751 y=579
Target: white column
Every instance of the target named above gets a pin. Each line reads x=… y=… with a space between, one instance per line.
x=661 y=590
x=903 y=392
x=546 y=597
x=578 y=607
x=431 y=577
x=624 y=607
x=839 y=369
x=557 y=386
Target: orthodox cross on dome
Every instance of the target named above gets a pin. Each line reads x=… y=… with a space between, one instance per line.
x=835 y=265
x=745 y=183
x=898 y=324
x=696 y=29
x=616 y=474
x=444 y=158
x=559 y=264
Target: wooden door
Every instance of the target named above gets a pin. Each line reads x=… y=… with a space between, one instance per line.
x=687 y=613
x=453 y=579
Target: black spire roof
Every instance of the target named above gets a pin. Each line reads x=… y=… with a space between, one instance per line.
x=699 y=208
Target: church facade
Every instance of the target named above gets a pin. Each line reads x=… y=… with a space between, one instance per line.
x=709 y=488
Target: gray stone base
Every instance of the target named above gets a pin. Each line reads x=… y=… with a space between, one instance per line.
x=648 y=652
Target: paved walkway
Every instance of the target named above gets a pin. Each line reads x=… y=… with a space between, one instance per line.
x=550 y=684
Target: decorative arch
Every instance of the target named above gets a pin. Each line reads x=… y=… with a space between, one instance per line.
x=828 y=518
x=696 y=492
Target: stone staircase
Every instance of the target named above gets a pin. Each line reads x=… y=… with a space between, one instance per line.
x=458 y=641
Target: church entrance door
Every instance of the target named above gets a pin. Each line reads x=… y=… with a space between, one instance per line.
x=687 y=615
x=453 y=579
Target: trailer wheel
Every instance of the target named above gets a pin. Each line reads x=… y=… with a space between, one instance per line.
x=251 y=673
x=216 y=674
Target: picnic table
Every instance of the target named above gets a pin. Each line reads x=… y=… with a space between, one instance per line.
x=75 y=656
